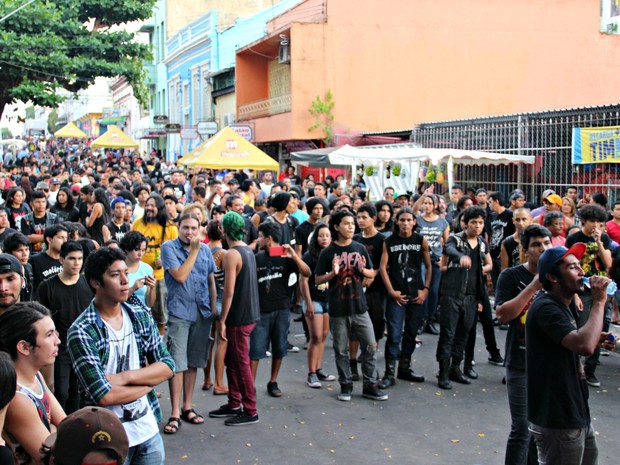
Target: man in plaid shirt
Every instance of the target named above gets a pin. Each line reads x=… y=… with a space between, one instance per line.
x=119 y=356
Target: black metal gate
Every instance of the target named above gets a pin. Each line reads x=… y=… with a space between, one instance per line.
x=546 y=135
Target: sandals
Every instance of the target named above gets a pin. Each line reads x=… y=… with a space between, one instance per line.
x=223 y=392
x=206 y=386
x=172 y=428
x=197 y=419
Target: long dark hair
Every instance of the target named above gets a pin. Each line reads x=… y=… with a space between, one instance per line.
x=389 y=226
x=70 y=201
x=11 y=195
x=162 y=215
x=313 y=246
x=102 y=198
x=8 y=379
x=17 y=324
x=401 y=212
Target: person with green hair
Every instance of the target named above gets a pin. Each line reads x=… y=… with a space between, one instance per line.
x=240 y=312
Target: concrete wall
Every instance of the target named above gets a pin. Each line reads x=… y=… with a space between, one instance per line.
x=393 y=63
x=390 y=66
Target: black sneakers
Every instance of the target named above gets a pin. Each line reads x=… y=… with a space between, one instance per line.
x=371 y=391
x=225 y=411
x=274 y=390
x=242 y=419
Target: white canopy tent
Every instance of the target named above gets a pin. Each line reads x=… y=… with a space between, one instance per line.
x=409 y=156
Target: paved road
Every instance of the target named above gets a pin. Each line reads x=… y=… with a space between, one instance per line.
x=419 y=424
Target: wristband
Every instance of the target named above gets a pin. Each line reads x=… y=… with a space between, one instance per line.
x=427 y=288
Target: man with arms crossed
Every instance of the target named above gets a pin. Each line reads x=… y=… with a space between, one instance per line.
x=119 y=356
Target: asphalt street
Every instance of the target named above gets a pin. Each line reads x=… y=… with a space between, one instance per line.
x=419 y=424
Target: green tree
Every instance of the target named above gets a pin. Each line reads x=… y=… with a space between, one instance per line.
x=52 y=122
x=5 y=133
x=29 y=111
x=321 y=110
x=51 y=45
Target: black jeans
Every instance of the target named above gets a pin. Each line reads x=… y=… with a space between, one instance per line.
x=376 y=310
x=488 y=330
x=456 y=319
x=65 y=382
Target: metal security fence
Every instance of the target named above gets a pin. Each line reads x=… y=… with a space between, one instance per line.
x=546 y=135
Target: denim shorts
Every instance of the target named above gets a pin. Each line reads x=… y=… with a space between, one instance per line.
x=188 y=342
x=272 y=327
x=320 y=308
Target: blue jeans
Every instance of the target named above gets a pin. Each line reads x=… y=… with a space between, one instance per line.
x=411 y=317
x=150 y=452
x=361 y=326
x=575 y=446
x=520 y=449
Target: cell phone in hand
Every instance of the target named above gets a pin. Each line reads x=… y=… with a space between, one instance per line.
x=277 y=251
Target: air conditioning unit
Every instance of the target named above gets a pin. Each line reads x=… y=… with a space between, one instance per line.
x=284 y=55
x=229 y=118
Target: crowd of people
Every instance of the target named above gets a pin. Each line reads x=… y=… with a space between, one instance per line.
x=119 y=273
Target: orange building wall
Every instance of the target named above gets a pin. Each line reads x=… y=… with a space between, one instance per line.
x=393 y=63
x=248 y=87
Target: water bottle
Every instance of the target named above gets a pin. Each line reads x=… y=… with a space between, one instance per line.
x=611 y=287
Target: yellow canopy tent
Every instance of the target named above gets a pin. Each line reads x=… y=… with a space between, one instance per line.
x=187 y=159
x=228 y=150
x=72 y=131
x=114 y=138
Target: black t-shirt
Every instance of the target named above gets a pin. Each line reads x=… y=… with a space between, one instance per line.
x=513 y=250
x=36 y=226
x=64 y=214
x=4 y=234
x=26 y=293
x=557 y=393
x=318 y=293
x=590 y=262
x=374 y=246
x=6 y=456
x=510 y=284
x=118 y=232
x=179 y=190
x=287 y=229
x=405 y=263
x=473 y=283
x=346 y=292
x=65 y=302
x=43 y=267
x=500 y=226
x=275 y=288
x=302 y=235
x=15 y=215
